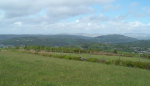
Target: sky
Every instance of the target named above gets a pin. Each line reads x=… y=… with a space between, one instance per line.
x=74 y=16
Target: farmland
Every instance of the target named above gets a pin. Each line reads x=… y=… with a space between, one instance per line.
x=22 y=69
x=106 y=57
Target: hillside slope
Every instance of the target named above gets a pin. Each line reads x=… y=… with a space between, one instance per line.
x=52 y=40
x=32 y=70
x=115 y=38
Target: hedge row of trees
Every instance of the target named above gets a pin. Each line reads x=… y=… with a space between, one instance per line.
x=75 y=50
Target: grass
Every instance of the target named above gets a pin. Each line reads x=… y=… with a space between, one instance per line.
x=22 y=69
x=107 y=57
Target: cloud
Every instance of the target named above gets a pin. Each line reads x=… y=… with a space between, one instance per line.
x=140 y=15
x=111 y=27
x=110 y=7
x=66 y=11
x=148 y=11
x=148 y=23
x=134 y=4
x=119 y=18
x=77 y=20
x=18 y=23
x=94 y=18
x=18 y=8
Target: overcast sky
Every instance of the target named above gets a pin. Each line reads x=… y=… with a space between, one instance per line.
x=74 y=16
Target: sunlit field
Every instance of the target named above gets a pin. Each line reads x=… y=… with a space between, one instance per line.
x=106 y=57
x=22 y=69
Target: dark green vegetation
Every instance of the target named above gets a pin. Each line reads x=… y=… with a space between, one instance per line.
x=60 y=40
x=132 y=47
x=3 y=37
x=115 y=38
x=20 y=69
x=124 y=61
x=52 y=40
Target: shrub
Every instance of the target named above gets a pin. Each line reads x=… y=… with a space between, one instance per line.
x=118 y=62
x=60 y=56
x=115 y=51
x=44 y=54
x=76 y=58
x=108 y=62
x=139 y=64
x=67 y=57
x=36 y=53
x=128 y=63
x=147 y=66
x=148 y=56
x=51 y=55
x=92 y=60
x=102 y=61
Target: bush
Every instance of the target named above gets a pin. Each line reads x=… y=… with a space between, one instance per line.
x=67 y=57
x=128 y=63
x=118 y=62
x=92 y=60
x=102 y=61
x=148 y=56
x=51 y=55
x=76 y=58
x=36 y=53
x=139 y=64
x=147 y=66
x=115 y=51
x=44 y=54
x=108 y=62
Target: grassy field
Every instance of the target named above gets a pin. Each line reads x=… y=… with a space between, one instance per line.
x=106 y=57
x=22 y=69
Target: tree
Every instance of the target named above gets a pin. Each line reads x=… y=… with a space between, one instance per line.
x=115 y=51
x=17 y=47
x=25 y=47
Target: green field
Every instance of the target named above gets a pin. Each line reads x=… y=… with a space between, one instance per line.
x=22 y=69
x=107 y=57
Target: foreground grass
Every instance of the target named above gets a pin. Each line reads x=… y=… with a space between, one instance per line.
x=106 y=57
x=21 y=69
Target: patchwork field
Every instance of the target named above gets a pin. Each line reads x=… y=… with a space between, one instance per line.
x=22 y=69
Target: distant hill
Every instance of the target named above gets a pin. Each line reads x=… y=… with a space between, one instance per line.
x=115 y=38
x=9 y=36
x=52 y=40
x=61 y=40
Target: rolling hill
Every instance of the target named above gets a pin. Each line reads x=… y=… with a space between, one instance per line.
x=115 y=38
x=61 y=40
x=52 y=40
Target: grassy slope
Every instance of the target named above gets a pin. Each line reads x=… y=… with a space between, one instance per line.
x=107 y=58
x=20 y=69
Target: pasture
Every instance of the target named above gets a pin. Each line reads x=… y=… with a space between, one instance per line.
x=22 y=69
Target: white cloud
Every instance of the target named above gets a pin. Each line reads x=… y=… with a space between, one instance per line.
x=110 y=7
x=148 y=11
x=134 y=4
x=94 y=18
x=120 y=17
x=77 y=20
x=66 y=11
x=89 y=24
x=18 y=23
x=19 y=8
x=148 y=23
x=136 y=24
